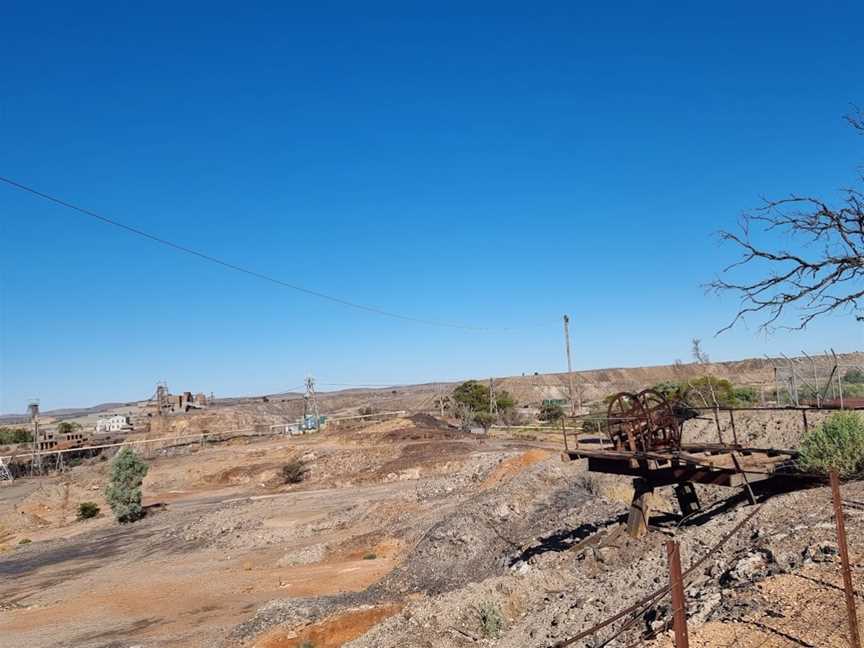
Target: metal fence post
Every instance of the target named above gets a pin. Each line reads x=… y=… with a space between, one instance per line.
x=854 y=636
x=676 y=582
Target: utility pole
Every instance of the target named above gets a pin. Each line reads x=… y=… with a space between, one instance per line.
x=570 y=367
x=36 y=460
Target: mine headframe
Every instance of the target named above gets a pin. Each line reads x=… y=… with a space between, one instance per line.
x=646 y=421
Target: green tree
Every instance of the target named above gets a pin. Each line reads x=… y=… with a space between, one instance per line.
x=550 y=412
x=124 y=486
x=474 y=395
x=68 y=427
x=14 y=435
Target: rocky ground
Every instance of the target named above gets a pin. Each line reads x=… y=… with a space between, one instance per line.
x=410 y=533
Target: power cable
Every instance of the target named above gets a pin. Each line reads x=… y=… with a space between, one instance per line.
x=237 y=268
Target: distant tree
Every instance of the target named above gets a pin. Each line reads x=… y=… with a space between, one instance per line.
x=15 y=435
x=822 y=270
x=854 y=376
x=472 y=394
x=476 y=396
x=550 y=412
x=124 y=486
x=698 y=354
x=669 y=388
x=68 y=427
x=708 y=391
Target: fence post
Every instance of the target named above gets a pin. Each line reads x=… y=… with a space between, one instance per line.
x=854 y=637
x=676 y=582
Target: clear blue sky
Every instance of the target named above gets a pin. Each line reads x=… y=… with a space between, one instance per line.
x=493 y=164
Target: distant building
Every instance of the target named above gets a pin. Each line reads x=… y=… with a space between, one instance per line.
x=115 y=423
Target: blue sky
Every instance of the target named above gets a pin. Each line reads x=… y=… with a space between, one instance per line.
x=491 y=164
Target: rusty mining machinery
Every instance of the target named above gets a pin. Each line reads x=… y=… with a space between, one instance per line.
x=646 y=429
x=646 y=421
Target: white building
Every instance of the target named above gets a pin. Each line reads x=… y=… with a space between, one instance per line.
x=115 y=423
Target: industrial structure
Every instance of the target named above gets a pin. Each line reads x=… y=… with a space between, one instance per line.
x=646 y=435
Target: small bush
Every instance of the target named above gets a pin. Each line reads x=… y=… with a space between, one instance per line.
x=491 y=620
x=854 y=376
x=837 y=444
x=307 y=644
x=594 y=426
x=370 y=556
x=87 y=510
x=550 y=412
x=124 y=486
x=294 y=472
x=24 y=541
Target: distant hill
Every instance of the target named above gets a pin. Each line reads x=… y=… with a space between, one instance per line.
x=527 y=388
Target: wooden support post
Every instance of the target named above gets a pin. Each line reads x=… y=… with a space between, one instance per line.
x=747 y=490
x=806 y=425
x=854 y=636
x=717 y=423
x=679 y=606
x=688 y=500
x=564 y=433
x=732 y=422
x=640 y=510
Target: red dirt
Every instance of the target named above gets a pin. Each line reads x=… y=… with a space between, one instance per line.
x=511 y=467
x=330 y=633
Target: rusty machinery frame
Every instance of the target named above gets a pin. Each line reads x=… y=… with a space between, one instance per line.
x=645 y=430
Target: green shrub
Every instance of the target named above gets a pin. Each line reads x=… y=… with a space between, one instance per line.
x=854 y=376
x=837 y=444
x=294 y=472
x=744 y=396
x=87 y=510
x=14 y=435
x=124 y=486
x=370 y=556
x=24 y=541
x=491 y=620
x=594 y=426
x=550 y=412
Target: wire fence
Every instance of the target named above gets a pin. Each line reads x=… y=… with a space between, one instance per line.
x=826 y=619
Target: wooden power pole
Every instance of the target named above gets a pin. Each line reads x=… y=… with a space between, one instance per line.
x=569 y=366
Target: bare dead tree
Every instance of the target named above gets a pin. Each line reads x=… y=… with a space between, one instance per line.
x=822 y=274
x=696 y=351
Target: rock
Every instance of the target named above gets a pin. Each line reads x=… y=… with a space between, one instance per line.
x=753 y=566
x=821 y=552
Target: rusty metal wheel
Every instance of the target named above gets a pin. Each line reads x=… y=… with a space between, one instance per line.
x=625 y=418
x=664 y=427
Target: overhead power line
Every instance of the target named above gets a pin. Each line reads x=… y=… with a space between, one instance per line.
x=233 y=266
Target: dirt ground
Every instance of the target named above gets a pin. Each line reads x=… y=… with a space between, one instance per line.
x=230 y=537
x=401 y=533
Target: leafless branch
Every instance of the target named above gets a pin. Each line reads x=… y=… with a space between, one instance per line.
x=825 y=276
